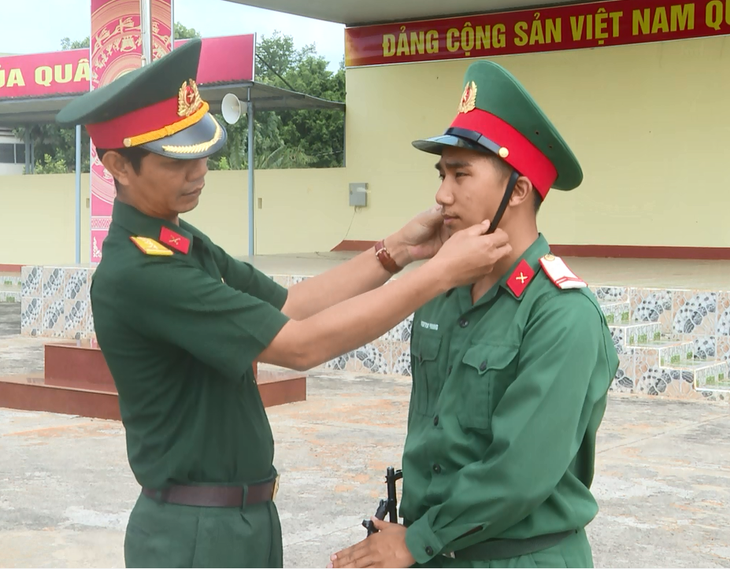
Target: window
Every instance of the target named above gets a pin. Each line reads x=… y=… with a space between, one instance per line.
x=7 y=153
x=12 y=153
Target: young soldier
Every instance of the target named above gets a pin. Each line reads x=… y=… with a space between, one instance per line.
x=510 y=375
x=180 y=322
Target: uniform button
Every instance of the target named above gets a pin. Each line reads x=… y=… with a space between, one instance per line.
x=463 y=322
x=429 y=550
x=448 y=371
x=436 y=421
x=483 y=367
x=437 y=468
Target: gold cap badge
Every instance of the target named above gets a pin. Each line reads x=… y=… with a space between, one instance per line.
x=469 y=98
x=188 y=99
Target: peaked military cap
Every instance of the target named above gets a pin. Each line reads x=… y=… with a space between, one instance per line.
x=497 y=114
x=157 y=107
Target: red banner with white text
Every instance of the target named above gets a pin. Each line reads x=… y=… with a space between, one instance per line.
x=579 y=26
x=226 y=59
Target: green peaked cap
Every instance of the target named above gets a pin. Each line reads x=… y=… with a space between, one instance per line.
x=156 y=107
x=498 y=115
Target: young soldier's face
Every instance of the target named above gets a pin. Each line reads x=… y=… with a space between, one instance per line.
x=472 y=186
x=164 y=187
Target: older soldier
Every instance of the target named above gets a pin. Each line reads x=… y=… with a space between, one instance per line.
x=180 y=322
x=510 y=375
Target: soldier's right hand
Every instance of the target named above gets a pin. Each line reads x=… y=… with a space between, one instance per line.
x=470 y=254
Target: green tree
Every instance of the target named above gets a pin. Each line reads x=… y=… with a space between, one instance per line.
x=67 y=44
x=291 y=139
x=183 y=33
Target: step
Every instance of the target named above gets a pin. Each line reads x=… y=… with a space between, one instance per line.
x=10 y=296
x=77 y=381
x=663 y=353
x=617 y=312
x=697 y=378
x=634 y=333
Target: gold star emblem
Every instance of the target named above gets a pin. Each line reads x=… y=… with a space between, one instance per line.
x=469 y=98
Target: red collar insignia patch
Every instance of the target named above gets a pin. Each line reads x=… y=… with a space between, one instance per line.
x=174 y=240
x=520 y=278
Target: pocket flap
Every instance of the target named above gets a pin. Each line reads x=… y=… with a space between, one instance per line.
x=427 y=347
x=483 y=357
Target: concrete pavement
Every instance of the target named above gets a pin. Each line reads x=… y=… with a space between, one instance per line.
x=663 y=479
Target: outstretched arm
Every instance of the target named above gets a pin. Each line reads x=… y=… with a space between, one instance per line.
x=420 y=239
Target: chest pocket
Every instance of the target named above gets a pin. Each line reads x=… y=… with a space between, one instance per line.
x=427 y=377
x=487 y=370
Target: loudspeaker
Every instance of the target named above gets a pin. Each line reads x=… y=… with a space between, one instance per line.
x=231 y=108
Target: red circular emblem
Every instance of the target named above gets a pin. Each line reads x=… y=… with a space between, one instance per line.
x=189 y=95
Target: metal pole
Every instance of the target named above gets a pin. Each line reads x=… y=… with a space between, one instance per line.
x=78 y=194
x=27 y=150
x=250 y=174
x=145 y=12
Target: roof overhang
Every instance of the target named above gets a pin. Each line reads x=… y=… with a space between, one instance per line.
x=30 y=111
x=363 y=12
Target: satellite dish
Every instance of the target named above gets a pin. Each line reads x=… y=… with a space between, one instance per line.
x=231 y=108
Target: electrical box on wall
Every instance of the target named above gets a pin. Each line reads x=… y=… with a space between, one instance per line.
x=358 y=194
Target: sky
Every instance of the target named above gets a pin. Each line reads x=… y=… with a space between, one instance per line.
x=37 y=26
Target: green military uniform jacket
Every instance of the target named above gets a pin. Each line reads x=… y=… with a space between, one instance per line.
x=507 y=396
x=180 y=332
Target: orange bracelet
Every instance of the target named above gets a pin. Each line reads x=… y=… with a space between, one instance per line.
x=385 y=259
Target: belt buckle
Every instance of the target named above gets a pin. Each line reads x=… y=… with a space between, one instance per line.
x=276 y=488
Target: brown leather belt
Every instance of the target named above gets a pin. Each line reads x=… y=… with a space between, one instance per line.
x=214 y=496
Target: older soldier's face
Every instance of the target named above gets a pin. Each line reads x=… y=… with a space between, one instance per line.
x=472 y=186
x=163 y=187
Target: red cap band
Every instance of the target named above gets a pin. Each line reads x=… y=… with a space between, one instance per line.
x=522 y=155
x=111 y=134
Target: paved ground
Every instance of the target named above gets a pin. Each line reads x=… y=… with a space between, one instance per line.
x=18 y=354
x=663 y=479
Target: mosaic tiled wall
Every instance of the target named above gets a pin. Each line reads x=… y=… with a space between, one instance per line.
x=671 y=342
x=55 y=302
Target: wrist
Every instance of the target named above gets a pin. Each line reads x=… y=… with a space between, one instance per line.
x=398 y=250
x=438 y=274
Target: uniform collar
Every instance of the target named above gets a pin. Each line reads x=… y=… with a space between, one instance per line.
x=177 y=237
x=524 y=270
x=526 y=266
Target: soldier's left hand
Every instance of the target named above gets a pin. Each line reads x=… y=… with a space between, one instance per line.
x=387 y=548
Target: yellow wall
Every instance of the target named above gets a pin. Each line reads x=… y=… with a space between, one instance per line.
x=301 y=210
x=648 y=122
x=37 y=219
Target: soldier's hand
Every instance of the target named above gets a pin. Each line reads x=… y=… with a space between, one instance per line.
x=470 y=254
x=387 y=548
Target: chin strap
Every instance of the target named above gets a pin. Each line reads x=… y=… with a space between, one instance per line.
x=505 y=200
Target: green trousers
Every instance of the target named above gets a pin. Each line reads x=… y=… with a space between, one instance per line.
x=573 y=551
x=168 y=535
